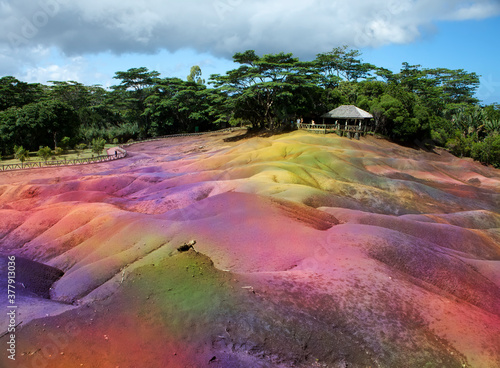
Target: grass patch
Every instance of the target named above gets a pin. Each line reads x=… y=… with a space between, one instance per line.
x=68 y=155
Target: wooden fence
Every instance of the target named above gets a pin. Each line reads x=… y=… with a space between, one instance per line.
x=121 y=153
x=57 y=163
x=350 y=131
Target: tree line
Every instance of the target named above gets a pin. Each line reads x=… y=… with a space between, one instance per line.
x=265 y=92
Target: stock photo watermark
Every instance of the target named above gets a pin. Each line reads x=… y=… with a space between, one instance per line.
x=11 y=307
x=54 y=342
x=30 y=26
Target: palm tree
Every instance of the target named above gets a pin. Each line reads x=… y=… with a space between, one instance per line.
x=470 y=123
x=492 y=126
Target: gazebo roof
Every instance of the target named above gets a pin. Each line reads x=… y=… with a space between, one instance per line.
x=347 y=112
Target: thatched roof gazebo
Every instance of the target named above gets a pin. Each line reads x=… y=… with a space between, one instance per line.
x=347 y=112
x=345 y=120
x=348 y=119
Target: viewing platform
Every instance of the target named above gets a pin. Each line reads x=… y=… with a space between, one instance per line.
x=347 y=121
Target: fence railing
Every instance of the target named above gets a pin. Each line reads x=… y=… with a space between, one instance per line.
x=78 y=161
x=329 y=128
x=121 y=153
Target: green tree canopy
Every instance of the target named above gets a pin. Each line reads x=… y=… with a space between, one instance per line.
x=14 y=93
x=98 y=145
x=130 y=95
x=21 y=153
x=195 y=75
x=177 y=105
x=8 y=136
x=342 y=63
x=44 y=153
x=43 y=122
x=269 y=90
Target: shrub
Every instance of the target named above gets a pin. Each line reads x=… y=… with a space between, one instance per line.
x=98 y=145
x=487 y=151
x=44 y=153
x=439 y=136
x=79 y=148
x=460 y=145
x=64 y=143
x=58 y=151
x=21 y=154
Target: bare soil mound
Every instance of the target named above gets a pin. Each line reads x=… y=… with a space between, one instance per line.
x=310 y=251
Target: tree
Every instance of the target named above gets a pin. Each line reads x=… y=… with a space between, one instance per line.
x=269 y=90
x=21 y=154
x=398 y=113
x=492 y=111
x=411 y=77
x=130 y=95
x=387 y=75
x=487 y=151
x=43 y=122
x=492 y=126
x=344 y=63
x=98 y=145
x=266 y=91
x=195 y=75
x=136 y=79
x=456 y=86
x=79 y=148
x=459 y=145
x=221 y=107
x=470 y=122
x=439 y=88
x=44 y=153
x=178 y=106
x=14 y=93
x=388 y=113
x=65 y=142
x=72 y=93
x=102 y=109
x=8 y=120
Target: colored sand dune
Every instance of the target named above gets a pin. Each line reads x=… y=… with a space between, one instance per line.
x=311 y=251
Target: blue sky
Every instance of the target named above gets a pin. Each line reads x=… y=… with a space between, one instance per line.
x=89 y=40
x=472 y=45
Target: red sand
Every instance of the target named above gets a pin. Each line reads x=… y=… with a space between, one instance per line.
x=311 y=251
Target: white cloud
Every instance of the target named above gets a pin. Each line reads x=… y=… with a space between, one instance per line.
x=218 y=27
x=226 y=26
x=71 y=69
x=475 y=11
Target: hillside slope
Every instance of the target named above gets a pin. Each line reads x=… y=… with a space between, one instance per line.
x=311 y=251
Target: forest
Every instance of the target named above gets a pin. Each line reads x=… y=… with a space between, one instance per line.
x=269 y=92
